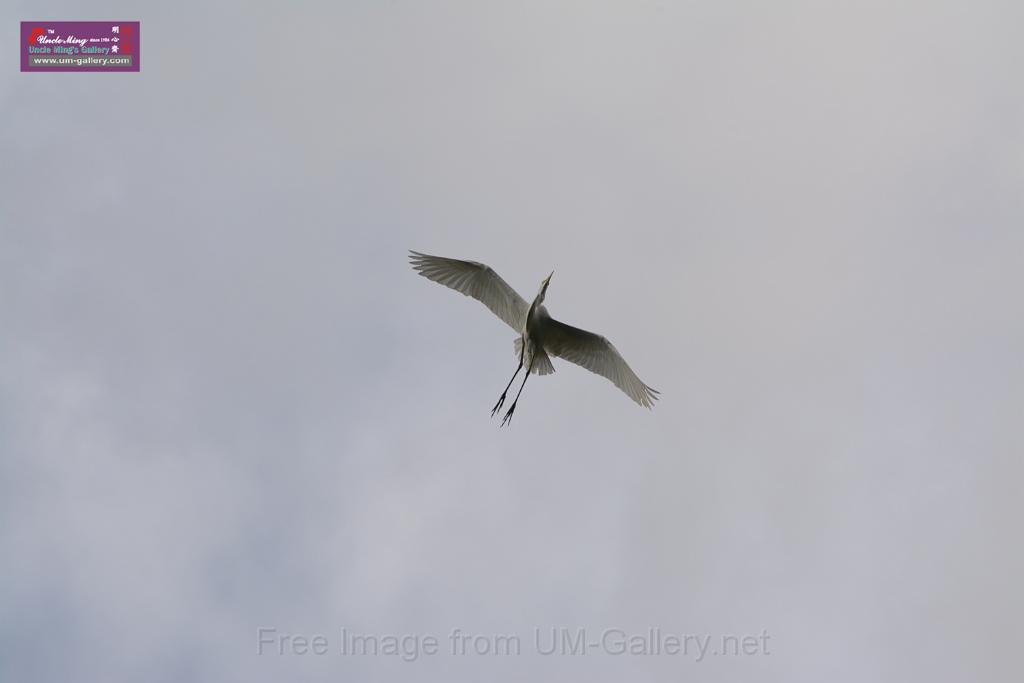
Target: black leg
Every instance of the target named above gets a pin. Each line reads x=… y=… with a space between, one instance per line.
x=501 y=400
x=512 y=408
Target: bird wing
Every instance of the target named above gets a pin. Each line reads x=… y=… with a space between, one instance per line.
x=475 y=280
x=595 y=353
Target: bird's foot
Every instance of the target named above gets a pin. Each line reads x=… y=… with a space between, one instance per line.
x=508 y=415
x=501 y=402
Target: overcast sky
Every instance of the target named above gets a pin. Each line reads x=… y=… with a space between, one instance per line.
x=227 y=402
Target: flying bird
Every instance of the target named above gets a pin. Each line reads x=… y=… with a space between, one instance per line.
x=540 y=335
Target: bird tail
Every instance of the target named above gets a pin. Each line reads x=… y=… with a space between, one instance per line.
x=541 y=363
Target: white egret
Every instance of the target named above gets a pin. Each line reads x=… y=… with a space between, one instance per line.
x=540 y=335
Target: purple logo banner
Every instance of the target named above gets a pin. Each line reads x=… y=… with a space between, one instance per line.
x=79 y=46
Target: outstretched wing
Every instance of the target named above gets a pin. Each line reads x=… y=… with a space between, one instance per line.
x=475 y=280
x=595 y=353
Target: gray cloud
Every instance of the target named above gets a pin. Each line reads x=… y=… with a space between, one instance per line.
x=227 y=402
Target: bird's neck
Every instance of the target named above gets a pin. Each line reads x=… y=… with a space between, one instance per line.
x=537 y=312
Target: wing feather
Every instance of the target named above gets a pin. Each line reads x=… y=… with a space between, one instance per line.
x=595 y=353
x=475 y=280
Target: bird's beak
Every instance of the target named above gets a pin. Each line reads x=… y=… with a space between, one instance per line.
x=548 y=278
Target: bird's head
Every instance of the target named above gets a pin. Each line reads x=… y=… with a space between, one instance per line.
x=544 y=286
